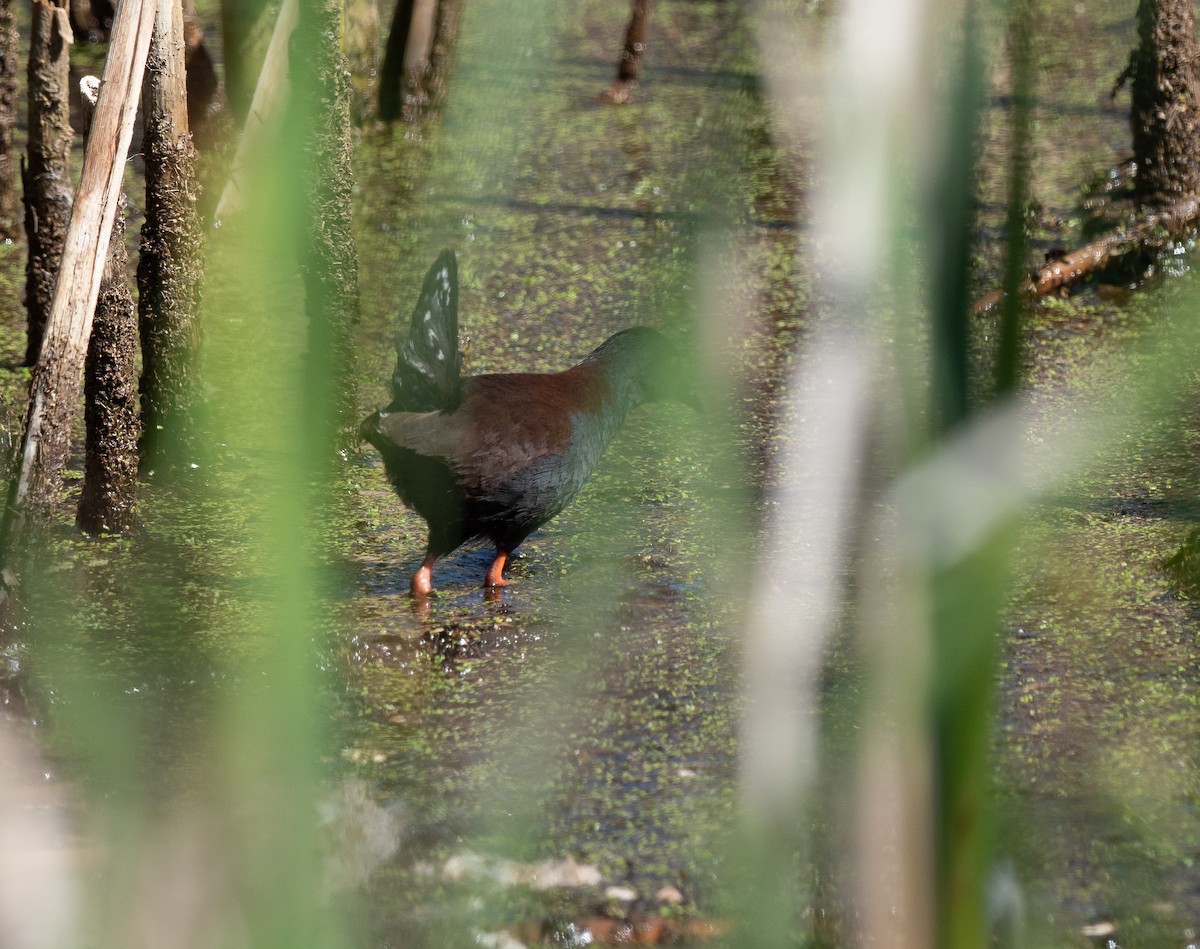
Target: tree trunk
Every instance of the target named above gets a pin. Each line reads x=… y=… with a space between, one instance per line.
x=329 y=259
x=266 y=111
x=417 y=53
x=10 y=56
x=54 y=388
x=110 y=394
x=47 y=176
x=109 y=498
x=169 y=268
x=1164 y=115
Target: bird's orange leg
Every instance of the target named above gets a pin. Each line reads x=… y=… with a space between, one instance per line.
x=422 y=580
x=495 y=574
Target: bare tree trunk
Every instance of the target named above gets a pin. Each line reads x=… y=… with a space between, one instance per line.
x=1164 y=115
x=47 y=176
x=329 y=258
x=54 y=388
x=169 y=268
x=629 y=70
x=10 y=57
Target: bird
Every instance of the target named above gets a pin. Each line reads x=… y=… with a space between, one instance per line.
x=496 y=456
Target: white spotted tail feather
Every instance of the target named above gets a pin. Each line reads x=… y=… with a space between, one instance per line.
x=428 y=375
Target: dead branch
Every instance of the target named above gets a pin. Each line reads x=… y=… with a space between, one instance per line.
x=1150 y=229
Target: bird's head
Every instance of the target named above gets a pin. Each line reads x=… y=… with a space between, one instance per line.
x=658 y=367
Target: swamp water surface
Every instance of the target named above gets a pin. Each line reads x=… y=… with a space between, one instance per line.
x=590 y=711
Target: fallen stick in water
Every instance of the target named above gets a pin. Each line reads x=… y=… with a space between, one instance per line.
x=1150 y=228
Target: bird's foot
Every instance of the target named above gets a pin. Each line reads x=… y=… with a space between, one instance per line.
x=495 y=574
x=422 y=581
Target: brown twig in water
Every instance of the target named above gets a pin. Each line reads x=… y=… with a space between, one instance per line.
x=1071 y=268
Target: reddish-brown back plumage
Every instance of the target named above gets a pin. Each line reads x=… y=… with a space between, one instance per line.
x=512 y=449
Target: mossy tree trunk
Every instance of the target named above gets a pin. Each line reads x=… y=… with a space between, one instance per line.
x=108 y=503
x=47 y=180
x=10 y=57
x=169 y=268
x=1164 y=119
x=412 y=74
x=92 y=18
x=1164 y=115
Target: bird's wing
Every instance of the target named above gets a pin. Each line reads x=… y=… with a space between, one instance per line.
x=428 y=363
x=504 y=424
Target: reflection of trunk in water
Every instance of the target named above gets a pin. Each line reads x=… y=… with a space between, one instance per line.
x=407 y=71
x=629 y=70
x=110 y=389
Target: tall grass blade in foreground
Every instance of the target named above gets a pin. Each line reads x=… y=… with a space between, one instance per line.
x=193 y=703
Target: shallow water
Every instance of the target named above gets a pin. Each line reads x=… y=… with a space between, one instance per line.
x=590 y=710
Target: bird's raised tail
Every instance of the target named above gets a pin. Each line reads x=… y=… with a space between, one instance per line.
x=428 y=375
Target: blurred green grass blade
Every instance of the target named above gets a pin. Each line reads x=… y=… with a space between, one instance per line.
x=279 y=379
x=1010 y=333
x=950 y=237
